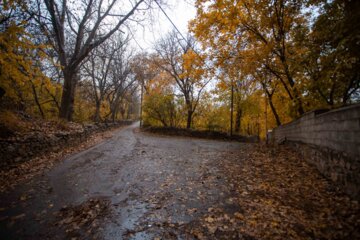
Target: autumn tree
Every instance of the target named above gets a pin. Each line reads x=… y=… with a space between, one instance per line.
x=161 y=104
x=233 y=86
x=144 y=71
x=161 y=107
x=13 y=39
x=74 y=30
x=21 y=78
x=178 y=58
x=263 y=27
x=144 y=67
x=332 y=61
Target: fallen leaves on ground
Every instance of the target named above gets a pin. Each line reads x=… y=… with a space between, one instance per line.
x=282 y=197
x=85 y=219
x=27 y=170
x=259 y=193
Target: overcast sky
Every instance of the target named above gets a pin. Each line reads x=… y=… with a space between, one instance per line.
x=180 y=12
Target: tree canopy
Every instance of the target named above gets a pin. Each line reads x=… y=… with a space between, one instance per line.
x=246 y=66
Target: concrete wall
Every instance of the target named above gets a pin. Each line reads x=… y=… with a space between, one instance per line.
x=331 y=141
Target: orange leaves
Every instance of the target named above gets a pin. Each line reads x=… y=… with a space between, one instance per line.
x=193 y=65
x=223 y=85
x=254 y=42
x=160 y=84
x=20 y=59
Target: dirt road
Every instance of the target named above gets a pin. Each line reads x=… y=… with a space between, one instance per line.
x=142 y=186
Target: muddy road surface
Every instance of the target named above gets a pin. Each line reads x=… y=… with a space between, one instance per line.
x=138 y=185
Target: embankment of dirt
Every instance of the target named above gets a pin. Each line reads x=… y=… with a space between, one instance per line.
x=46 y=139
x=200 y=134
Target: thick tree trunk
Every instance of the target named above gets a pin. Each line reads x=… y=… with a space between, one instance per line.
x=189 y=119
x=113 y=114
x=300 y=108
x=68 y=96
x=276 y=115
x=273 y=109
x=97 y=112
x=296 y=94
x=189 y=111
x=189 y=115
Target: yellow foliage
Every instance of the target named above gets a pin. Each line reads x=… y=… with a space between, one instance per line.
x=25 y=85
x=12 y=122
x=193 y=65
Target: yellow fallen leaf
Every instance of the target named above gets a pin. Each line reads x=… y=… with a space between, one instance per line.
x=239 y=215
x=209 y=219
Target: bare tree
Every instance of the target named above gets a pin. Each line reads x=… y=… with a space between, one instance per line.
x=74 y=30
x=171 y=51
x=121 y=79
x=97 y=68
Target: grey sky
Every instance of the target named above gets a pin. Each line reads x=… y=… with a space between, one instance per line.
x=180 y=12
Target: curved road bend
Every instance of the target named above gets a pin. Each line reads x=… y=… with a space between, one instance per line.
x=154 y=185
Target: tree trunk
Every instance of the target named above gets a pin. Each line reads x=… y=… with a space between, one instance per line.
x=97 y=112
x=113 y=114
x=276 y=115
x=297 y=98
x=273 y=109
x=238 y=119
x=122 y=112
x=189 y=111
x=172 y=116
x=68 y=96
x=300 y=108
x=141 y=104
x=231 y=109
x=189 y=118
x=36 y=98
